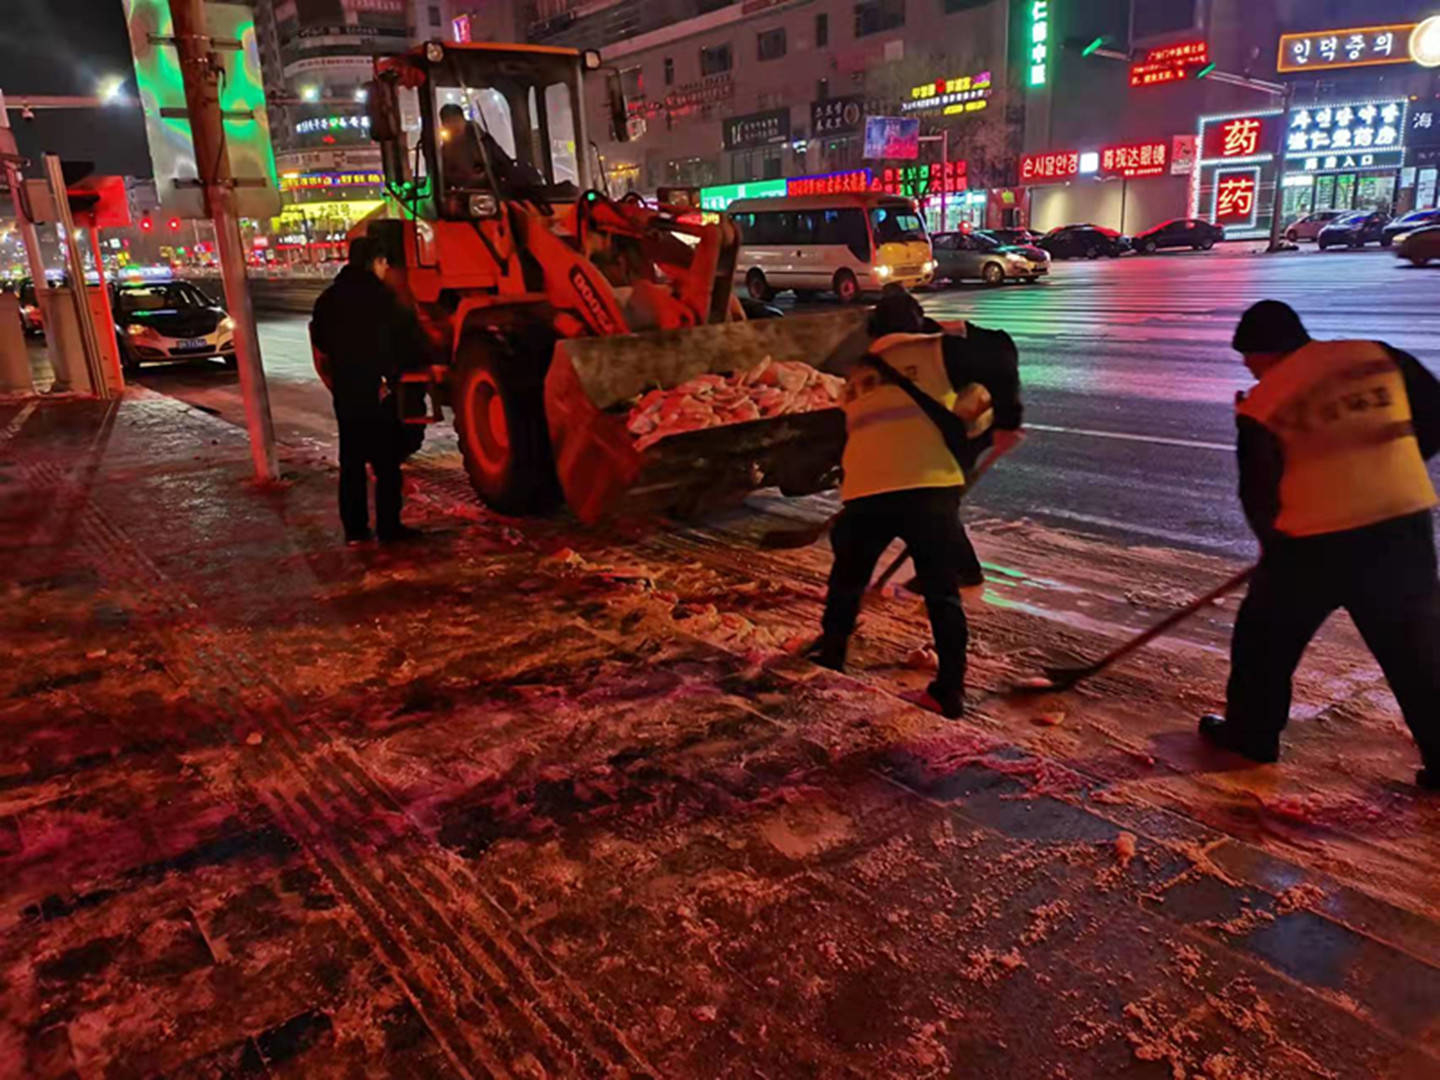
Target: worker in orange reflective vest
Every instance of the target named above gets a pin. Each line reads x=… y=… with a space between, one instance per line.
x=1333 y=441
x=902 y=479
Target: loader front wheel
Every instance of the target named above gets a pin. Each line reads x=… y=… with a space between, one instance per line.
x=499 y=405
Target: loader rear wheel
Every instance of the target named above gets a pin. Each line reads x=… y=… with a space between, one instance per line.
x=499 y=405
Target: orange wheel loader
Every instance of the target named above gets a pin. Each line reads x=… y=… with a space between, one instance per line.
x=552 y=308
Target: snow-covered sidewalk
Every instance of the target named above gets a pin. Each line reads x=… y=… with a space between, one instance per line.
x=537 y=801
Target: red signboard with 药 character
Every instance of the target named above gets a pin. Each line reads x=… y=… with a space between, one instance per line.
x=1239 y=138
x=1236 y=193
x=1057 y=165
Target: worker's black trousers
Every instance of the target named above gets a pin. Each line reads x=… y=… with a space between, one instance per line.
x=369 y=436
x=928 y=521
x=1385 y=577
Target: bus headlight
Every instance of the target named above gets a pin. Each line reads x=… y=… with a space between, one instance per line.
x=484 y=205
x=929 y=266
x=882 y=272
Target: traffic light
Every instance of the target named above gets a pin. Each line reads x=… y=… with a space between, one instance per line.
x=146 y=224
x=174 y=224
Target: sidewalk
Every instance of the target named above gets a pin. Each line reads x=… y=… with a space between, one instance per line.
x=532 y=801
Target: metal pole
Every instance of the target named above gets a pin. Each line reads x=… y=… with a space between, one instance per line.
x=110 y=359
x=31 y=240
x=1285 y=99
x=94 y=364
x=202 y=99
x=944 y=177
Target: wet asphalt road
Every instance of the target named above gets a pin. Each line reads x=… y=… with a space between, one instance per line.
x=1128 y=375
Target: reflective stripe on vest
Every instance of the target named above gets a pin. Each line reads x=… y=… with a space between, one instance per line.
x=890 y=444
x=1342 y=416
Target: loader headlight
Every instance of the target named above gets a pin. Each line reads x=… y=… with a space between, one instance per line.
x=484 y=205
x=434 y=52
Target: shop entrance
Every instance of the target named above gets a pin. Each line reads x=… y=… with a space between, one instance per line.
x=1339 y=191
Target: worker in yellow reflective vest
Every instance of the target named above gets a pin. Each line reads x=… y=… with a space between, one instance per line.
x=1333 y=441
x=902 y=478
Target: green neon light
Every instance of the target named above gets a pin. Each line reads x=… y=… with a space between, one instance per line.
x=1092 y=46
x=1038 y=43
x=1205 y=71
x=720 y=196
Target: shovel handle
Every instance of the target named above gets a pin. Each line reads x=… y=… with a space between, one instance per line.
x=1174 y=618
x=899 y=560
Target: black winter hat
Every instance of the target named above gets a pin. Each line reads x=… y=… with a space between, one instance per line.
x=1270 y=327
x=896 y=313
x=364 y=250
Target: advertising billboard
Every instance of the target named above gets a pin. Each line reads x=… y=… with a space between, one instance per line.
x=892 y=137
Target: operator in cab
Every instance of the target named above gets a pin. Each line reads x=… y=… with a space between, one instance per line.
x=463 y=162
x=903 y=477
x=1333 y=440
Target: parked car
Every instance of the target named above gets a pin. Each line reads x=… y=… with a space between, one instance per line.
x=1355 y=229
x=169 y=320
x=1027 y=247
x=1015 y=237
x=1309 y=226
x=1087 y=241
x=30 y=319
x=962 y=256
x=1406 y=223
x=1178 y=232
x=1419 y=246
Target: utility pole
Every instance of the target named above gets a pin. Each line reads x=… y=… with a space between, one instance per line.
x=12 y=162
x=202 y=98
x=85 y=319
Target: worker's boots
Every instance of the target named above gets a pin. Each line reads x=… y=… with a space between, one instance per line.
x=1229 y=735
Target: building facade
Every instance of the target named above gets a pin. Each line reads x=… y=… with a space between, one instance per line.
x=316 y=57
x=742 y=96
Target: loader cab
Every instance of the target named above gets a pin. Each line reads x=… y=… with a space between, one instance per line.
x=463 y=128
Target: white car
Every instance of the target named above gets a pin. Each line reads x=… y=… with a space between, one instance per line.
x=168 y=321
x=1309 y=226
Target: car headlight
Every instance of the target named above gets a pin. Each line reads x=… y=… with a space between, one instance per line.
x=1400 y=238
x=484 y=205
x=1015 y=257
x=136 y=330
x=226 y=325
x=883 y=271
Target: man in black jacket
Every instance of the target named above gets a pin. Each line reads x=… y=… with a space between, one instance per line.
x=367 y=337
x=1333 y=440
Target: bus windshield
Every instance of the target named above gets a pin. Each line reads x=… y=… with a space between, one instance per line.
x=896 y=224
x=515 y=111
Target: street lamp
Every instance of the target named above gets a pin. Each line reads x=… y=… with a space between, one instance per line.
x=310 y=94
x=109 y=89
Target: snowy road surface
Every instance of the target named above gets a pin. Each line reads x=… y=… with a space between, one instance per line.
x=1128 y=375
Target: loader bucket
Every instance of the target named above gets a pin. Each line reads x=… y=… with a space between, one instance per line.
x=596 y=387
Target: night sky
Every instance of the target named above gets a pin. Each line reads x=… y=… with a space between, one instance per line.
x=66 y=47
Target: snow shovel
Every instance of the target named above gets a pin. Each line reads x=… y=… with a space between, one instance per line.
x=1063 y=677
x=803 y=536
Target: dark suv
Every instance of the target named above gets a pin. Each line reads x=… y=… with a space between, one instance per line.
x=1354 y=230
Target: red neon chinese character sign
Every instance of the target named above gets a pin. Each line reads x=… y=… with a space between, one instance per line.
x=1170 y=64
x=1234 y=197
x=1059 y=165
x=1136 y=159
x=1241 y=138
x=830 y=183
